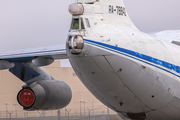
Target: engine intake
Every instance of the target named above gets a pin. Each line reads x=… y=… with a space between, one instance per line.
x=45 y=95
x=26 y=97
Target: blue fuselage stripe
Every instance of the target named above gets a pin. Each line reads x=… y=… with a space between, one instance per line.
x=138 y=56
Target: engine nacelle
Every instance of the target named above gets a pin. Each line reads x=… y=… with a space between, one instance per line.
x=45 y=95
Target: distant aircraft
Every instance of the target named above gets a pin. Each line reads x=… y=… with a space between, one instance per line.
x=133 y=73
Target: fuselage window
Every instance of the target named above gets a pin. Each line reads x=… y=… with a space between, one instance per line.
x=87 y=22
x=75 y=24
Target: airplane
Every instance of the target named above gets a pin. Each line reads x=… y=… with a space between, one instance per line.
x=135 y=74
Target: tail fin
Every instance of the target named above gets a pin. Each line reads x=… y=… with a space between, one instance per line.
x=115 y=12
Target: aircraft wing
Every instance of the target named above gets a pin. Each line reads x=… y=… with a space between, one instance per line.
x=41 y=56
x=55 y=52
x=40 y=85
x=170 y=36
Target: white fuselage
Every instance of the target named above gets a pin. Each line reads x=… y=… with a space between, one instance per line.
x=129 y=71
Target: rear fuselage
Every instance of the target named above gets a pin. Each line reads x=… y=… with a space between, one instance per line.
x=131 y=72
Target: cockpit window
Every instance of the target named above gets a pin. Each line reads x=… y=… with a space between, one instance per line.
x=87 y=22
x=75 y=24
x=82 y=24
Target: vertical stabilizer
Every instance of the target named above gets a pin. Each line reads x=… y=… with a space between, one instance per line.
x=115 y=12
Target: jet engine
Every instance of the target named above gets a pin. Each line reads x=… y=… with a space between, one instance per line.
x=45 y=95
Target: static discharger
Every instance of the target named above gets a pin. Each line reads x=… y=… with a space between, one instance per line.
x=76 y=9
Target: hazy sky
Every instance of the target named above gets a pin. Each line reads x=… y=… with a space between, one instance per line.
x=35 y=23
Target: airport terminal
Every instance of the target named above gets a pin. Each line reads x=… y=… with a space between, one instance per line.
x=83 y=103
